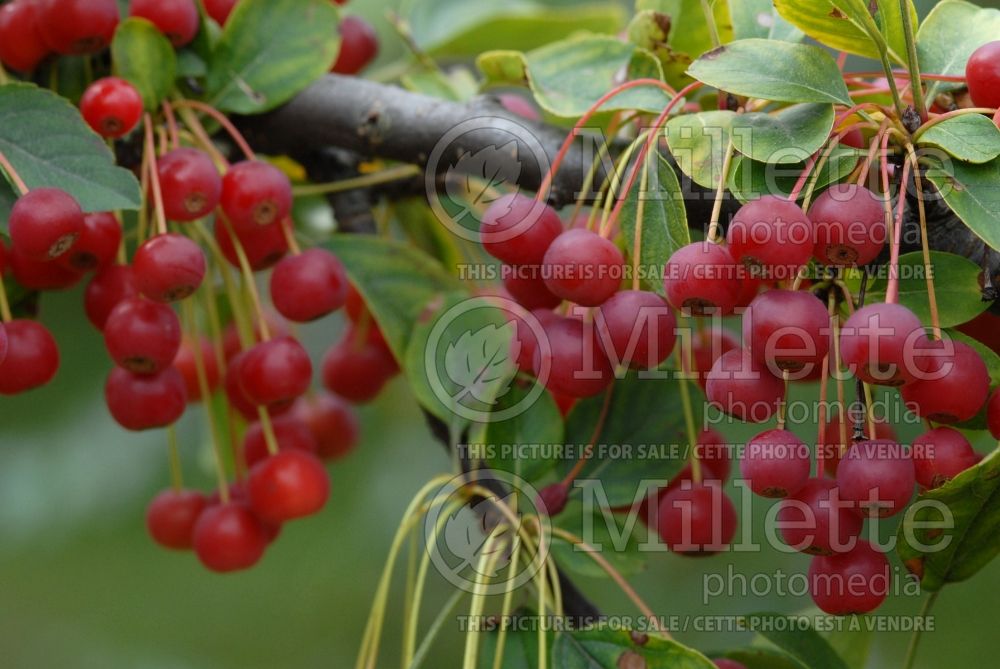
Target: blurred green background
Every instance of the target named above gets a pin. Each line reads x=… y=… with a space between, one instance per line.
x=82 y=586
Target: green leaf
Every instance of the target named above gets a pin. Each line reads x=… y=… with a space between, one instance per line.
x=144 y=57
x=790 y=135
x=749 y=179
x=463 y=28
x=972 y=138
x=520 y=646
x=511 y=442
x=459 y=360
x=841 y=25
x=606 y=649
x=773 y=70
x=949 y=35
x=395 y=280
x=971 y=192
x=698 y=143
x=645 y=414
x=47 y=142
x=760 y=658
x=972 y=501
x=660 y=207
x=269 y=51
x=797 y=639
x=956 y=285
x=569 y=76
x=759 y=18
x=608 y=533
x=687 y=33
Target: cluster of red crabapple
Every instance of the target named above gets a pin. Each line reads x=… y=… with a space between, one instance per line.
x=31 y=30
x=788 y=334
x=263 y=372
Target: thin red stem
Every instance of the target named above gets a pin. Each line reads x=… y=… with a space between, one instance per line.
x=546 y=184
x=226 y=124
x=643 y=152
x=892 y=292
x=12 y=173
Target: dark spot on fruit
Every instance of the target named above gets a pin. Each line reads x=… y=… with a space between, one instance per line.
x=698 y=306
x=63 y=244
x=195 y=202
x=841 y=254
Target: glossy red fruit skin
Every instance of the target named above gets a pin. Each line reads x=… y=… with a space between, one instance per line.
x=525 y=342
x=776 y=463
x=817 y=521
x=168 y=268
x=358 y=45
x=982 y=73
x=787 y=331
x=696 y=520
x=357 y=369
x=707 y=346
x=45 y=223
x=518 y=229
x=959 y=393
x=235 y=394
x=32 y=357
x=309 y=285
x=219 y=10
x=290 y=433
x=526 y=285
x=229 y=537
x=703 y=279
x=772 y=237
x=642 y=319
x=75 y=27
x=142 y=336
x=263 y=246
x=288 y=485
x=831 y=442
x=96 y=246
x=41 y=275
x=877 y=344
x=853 y=582
x=3 y=343
x=112 y=107
x=255 y=193
x=579 y=368
x=184 y=362
x=713 y=451
x=583 y=267
x=878 y=477
x=333 y=422
x=190 y=184
x=109 y=287
x=276 y=372
x=140 y=402
x=176 y=19
x=993 y=414
x=940 y=455
x=743 y=388
x=850 y=226
x=21 y=44
x=172 y=515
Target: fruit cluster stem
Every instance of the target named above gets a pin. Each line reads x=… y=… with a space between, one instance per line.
x=918 y=183
x=916 y=86
x=12 y=174
x=154 y=179
x=222 y=120
x=206 y=395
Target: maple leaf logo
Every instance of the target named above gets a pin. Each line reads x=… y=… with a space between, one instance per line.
x=475 y=178
x=481 y=363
